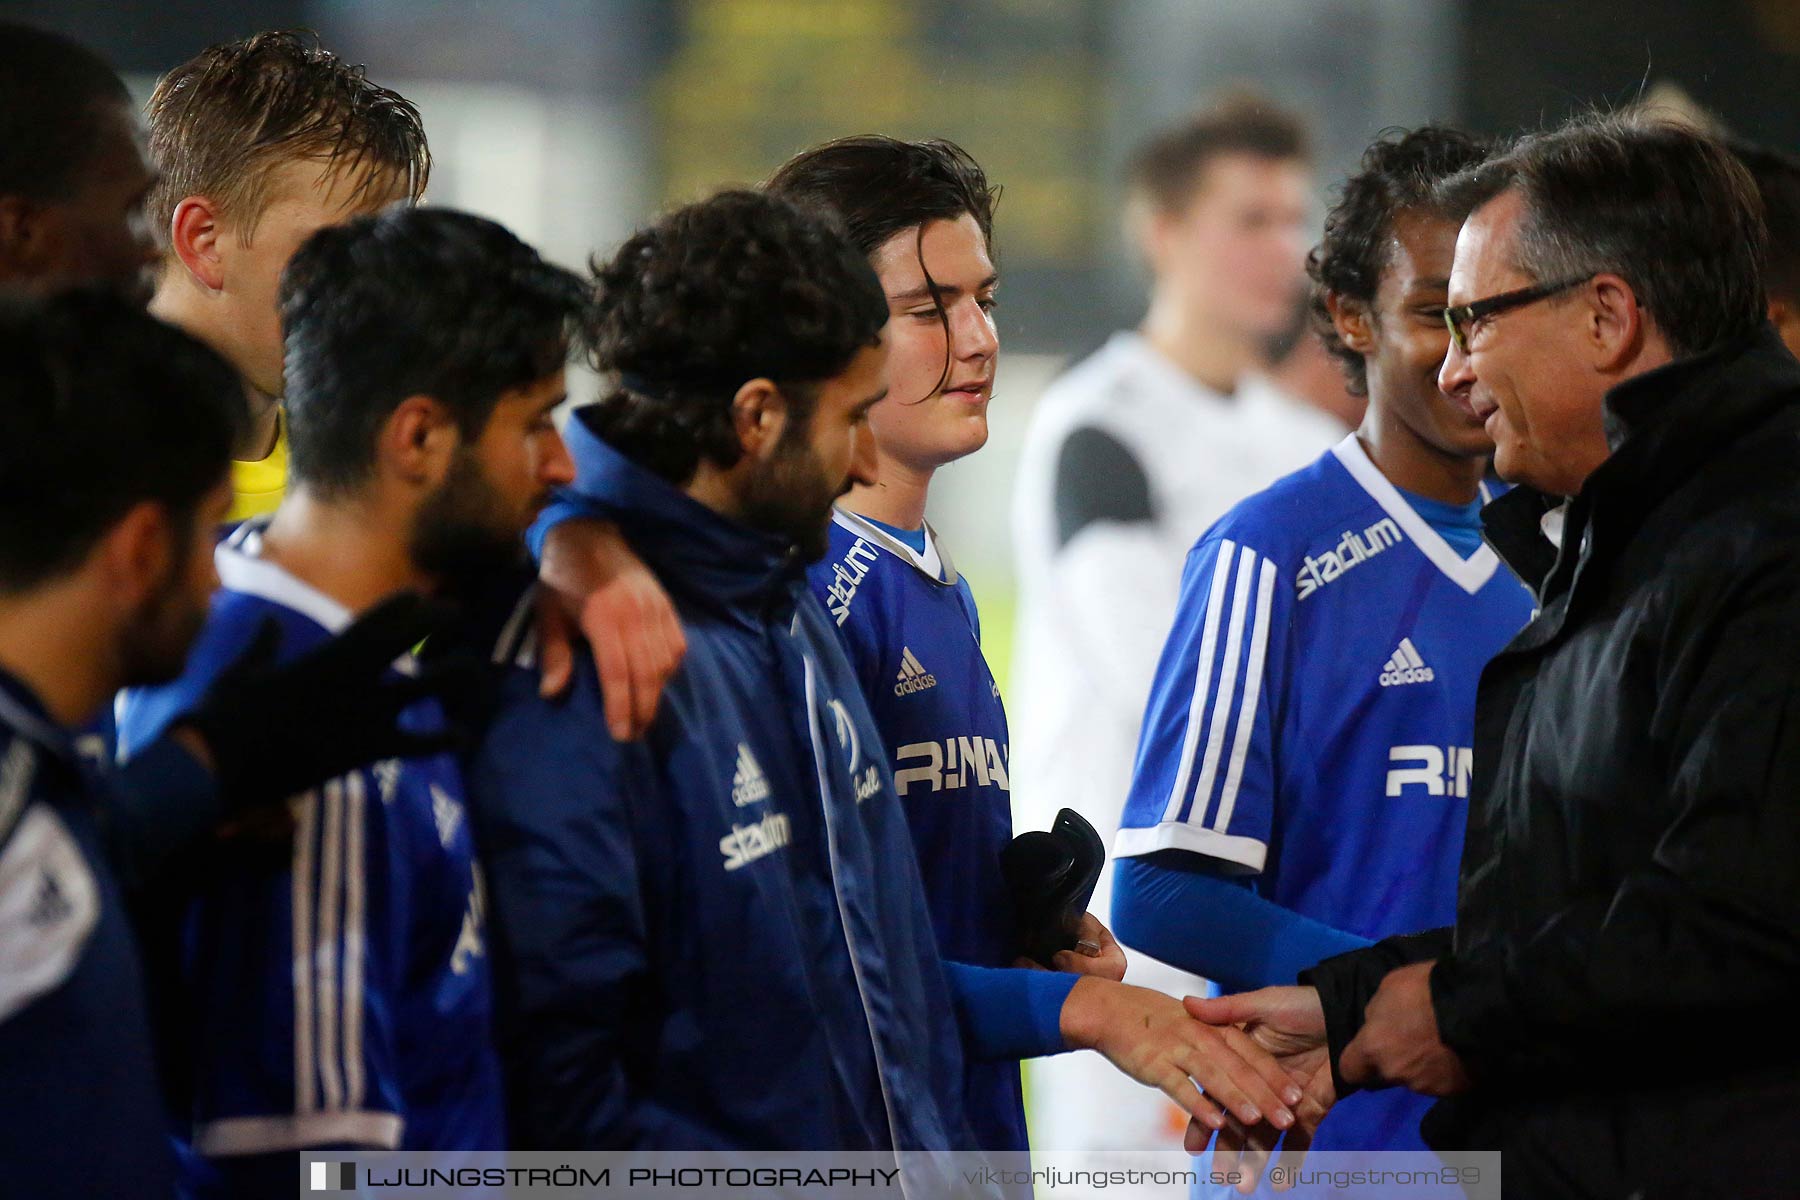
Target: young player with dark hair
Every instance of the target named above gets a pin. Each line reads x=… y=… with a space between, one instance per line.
x=717 y=937
x=73 y=178
x=344 y=1001
x=1302 y=779
x=103 y=587
x=923 y=213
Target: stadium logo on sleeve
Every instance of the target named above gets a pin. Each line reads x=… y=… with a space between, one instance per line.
x=913 y=677
x=1352 y=550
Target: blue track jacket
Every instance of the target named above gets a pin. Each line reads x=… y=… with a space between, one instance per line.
x=715 y=937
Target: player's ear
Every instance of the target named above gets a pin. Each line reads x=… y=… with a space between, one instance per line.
x=1785 y=316
x=194 y=235
x=27 y=237
x=1615 y=323
x=138 y=552
x=1353 y=321
x=418 y=442
x=759 y=413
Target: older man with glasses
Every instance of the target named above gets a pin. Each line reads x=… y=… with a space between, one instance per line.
x=1618 y=987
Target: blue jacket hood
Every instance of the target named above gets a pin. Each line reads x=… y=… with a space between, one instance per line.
x=707 y=558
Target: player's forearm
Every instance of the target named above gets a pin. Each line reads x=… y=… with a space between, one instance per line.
x=1216 y=926
x=1009 y=1012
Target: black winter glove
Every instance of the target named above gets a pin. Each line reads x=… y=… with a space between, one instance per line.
x=275 y=730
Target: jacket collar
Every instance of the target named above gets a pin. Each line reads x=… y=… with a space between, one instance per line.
x=1664 y=425
x=1513 y=524
x=707 y=559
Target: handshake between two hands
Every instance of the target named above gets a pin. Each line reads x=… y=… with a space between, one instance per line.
x=1261 y=1061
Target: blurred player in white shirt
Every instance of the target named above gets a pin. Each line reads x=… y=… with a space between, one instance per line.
x=1130 y=456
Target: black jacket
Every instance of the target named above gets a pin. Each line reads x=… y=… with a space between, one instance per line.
x=1623 y=981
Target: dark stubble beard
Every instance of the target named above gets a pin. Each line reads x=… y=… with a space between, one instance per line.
x=154 y=644
x=462 y=534
x=791 y=497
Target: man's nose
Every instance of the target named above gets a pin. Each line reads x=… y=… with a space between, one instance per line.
x=1456 y=374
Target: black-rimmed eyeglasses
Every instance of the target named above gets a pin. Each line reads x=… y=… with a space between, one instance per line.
x=1460 y=318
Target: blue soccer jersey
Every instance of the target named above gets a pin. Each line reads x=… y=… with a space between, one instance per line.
x=1312 y=715
x=909 y=625
x=335 y=992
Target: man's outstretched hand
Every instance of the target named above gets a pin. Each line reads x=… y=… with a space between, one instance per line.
x=1398 y=1043
x=595 y=586
x=1151 y=1038
x=1289 y=1023
x=272 y=730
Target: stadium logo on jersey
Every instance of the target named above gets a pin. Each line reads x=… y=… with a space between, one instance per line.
x=748 y=784
x=1352 y=549
x=952 y=763
x=1440 y=770
x=747 y=843
x=1405 y=666
x=846 y=576
x=913 y=677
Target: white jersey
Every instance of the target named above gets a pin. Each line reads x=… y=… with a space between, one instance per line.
x=1127 y=462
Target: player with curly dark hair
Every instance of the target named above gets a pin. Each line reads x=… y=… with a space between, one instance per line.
x=1317 y=692
x=718 y=937
x=684 y=317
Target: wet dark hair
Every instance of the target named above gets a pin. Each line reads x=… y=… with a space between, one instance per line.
x=745 y=285
x=882 y=186
x=1400 y=173
x=1668 y=209
x=102 y=407
x=53 y=92
x=408 y=302
x=1777 y=177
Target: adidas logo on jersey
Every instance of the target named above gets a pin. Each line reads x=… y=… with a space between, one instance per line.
x=1406 y=667
x=747 y=782
x=913 y=677
x=1353 y=549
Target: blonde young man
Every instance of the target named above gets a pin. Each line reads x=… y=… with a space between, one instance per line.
x=261 y=142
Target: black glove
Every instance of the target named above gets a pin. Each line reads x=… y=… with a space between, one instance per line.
x=276 y=730
x=1051 y=877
